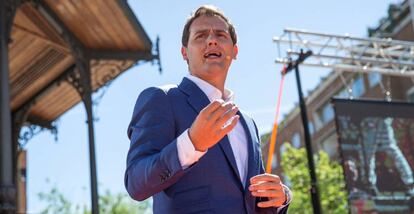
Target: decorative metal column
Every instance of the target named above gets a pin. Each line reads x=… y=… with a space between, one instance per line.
x=81 y=81
x=7 y=184
x=18 y=120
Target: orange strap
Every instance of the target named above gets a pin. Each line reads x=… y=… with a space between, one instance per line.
x=275 y=126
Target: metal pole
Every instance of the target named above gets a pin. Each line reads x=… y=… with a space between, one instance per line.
x=314 y=184
x=411 y=3
x=80 y=79
x=311 y=165
x=92 y=159
x=7 y=188
x=87 y=100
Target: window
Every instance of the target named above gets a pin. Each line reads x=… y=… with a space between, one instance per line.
x=296 y=140
x=311 y=128
x=327 y=113
x=317 y=120
x=374 y=78
x=344 y=93
x=330 y=144
x=410 y=95
x=358 y=87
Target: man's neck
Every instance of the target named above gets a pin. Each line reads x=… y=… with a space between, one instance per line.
x=216 y=82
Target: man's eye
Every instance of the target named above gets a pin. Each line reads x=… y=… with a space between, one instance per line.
x=223 y=35
x=200 y=36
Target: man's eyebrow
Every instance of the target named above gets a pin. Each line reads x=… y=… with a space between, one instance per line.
x=207 y=30
x=221 y=31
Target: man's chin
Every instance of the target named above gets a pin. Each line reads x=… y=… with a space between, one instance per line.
x=215 y=67
x=216 y=72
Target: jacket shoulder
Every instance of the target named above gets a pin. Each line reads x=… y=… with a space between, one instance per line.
x=156 y=92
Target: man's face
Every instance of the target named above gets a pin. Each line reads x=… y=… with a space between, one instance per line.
x=210 y=48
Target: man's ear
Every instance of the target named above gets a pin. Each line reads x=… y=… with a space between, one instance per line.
x=184 y=53
x=235 y=51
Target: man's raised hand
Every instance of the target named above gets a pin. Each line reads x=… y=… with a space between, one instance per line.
x=211 y=124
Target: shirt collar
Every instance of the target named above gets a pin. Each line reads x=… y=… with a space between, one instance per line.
x=210 y=91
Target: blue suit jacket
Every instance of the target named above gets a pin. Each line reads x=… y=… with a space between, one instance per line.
x=211 y=185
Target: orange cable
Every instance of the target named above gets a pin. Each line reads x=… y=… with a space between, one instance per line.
x=275 y=126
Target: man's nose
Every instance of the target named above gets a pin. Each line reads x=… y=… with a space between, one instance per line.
x=212 y=39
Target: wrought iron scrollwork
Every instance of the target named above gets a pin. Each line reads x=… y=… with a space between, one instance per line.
x=19 y=119
x=54 y=129
x=74 y=78
x=157 y=58
x=27 y=133
x=111 y=69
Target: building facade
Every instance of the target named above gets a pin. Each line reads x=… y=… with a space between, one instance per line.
x=397 y=25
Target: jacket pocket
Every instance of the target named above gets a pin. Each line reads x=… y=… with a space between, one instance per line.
x=194 y=200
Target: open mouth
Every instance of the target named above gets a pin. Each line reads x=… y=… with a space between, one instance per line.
x=212 y=55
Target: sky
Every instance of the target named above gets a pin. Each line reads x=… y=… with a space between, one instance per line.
x=254 y=78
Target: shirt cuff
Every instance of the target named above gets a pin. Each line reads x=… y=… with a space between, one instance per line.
x=187 y=154
x=288 y=194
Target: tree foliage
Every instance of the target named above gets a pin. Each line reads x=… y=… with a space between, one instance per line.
x=109 y=203
x=56 y=202
x=330 y=178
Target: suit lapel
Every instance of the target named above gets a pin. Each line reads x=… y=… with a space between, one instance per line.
x=253 y=156
x=196 y=97
x=253 y=153
x=226 y=148
x=198 y=100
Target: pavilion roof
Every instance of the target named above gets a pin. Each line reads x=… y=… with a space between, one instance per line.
x=46 y=36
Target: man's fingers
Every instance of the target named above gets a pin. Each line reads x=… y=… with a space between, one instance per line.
x=269 y=193
x=229 y=127
x=266 y=186
x=220 y=111
x=226 y=117
x=264 y=177
x=204 y=132
x=270 y=186
x=213 y=106
x=274 y=202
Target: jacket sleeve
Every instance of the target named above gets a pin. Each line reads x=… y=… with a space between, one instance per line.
x=152 y=161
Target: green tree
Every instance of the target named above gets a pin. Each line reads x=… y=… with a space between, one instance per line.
x=121 y=203
x=56 y=202
x=109 y=203
x=330 y=178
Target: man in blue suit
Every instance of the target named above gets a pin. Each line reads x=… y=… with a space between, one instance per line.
x=191 y=148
